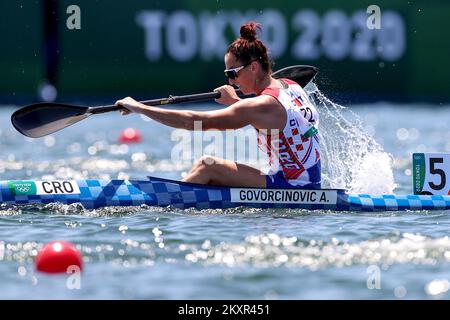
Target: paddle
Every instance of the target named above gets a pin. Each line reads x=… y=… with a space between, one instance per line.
x=41 y=119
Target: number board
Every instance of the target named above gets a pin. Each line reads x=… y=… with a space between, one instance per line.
x=431 y=173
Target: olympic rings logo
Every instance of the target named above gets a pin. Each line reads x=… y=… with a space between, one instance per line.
x=23 y=189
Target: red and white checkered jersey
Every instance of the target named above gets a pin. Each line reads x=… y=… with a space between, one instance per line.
x=296 y=148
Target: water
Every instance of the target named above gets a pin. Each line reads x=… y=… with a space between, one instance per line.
x=161 y=253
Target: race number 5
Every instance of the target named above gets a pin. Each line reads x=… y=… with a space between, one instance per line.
x=439 y=172
x=430 y=171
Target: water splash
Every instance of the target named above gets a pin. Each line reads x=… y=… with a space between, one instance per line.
x=351 y=158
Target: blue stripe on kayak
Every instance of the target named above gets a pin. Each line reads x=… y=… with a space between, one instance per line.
x=163 y=192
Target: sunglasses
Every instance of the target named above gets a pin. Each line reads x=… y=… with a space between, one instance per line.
x=233 y=73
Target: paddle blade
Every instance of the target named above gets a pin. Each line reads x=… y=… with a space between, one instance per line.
x=41 y=119
x=300 y=74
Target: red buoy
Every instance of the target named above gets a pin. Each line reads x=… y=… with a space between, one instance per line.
x=130 y=135
x=57 y=257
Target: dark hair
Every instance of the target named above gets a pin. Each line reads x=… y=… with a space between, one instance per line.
x=248 y=47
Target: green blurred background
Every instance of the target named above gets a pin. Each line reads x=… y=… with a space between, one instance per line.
x=155 y=48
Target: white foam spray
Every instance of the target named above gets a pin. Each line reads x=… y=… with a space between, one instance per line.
x=350 y=156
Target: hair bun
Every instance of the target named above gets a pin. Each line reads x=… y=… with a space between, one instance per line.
x=248 y=30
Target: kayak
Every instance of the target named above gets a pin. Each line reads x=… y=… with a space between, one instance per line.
x=153 y=191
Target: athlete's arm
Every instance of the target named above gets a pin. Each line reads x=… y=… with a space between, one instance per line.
x=261 y=112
